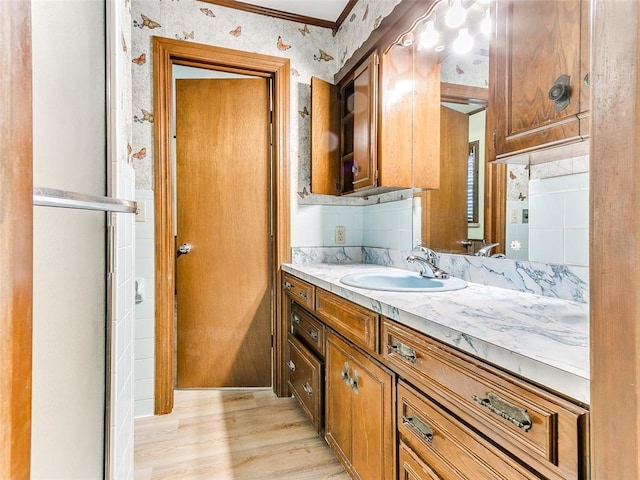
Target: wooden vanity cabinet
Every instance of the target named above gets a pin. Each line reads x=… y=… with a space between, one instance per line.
x=536 y=43
x=359 y=415
x=444 y=448
x=546 y=432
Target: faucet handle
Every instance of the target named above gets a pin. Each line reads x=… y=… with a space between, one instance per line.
x=428 y=253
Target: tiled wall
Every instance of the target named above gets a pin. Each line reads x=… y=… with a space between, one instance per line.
x=145 y=307
x=388 y=225
x=123 y=186
x=559 y=219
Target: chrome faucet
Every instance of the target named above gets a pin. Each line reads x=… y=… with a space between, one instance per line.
x=428 y=267
x=486 y=250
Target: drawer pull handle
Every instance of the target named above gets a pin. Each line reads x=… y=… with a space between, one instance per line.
x=295 y=318
x=404 y=351
x=514 y=414
x=286 y=285
x=418 y=426
x=307 y=388
x=303 y=295
x=291 y=365
x=313 y=334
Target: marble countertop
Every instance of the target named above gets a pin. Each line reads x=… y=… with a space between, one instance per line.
x=545 y=340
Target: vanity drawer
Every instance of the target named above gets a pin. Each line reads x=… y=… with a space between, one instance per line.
x=352 y=321
x=307 y=328
x=305 y=375
x=532 y=424
x=298 y=290
x=448 y=449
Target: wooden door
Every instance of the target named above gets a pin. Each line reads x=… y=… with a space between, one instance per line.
x=223 y=196
x=444 y=211
x=536 y=42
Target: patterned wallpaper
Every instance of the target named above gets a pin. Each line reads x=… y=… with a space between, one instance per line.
x=313 y=51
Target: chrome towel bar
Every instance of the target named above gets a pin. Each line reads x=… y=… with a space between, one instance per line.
x=51 y=197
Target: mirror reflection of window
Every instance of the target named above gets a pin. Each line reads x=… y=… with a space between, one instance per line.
x=472 y=182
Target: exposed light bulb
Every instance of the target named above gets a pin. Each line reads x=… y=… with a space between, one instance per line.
x=456 y=15
x=463 y=42
x=485 y=24
x=430 y=36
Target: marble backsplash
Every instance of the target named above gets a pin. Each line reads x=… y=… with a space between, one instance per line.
x=565 y=282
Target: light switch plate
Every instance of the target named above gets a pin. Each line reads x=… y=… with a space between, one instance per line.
x=141 y=211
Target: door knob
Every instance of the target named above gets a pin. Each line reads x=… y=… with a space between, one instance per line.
x=184 y=249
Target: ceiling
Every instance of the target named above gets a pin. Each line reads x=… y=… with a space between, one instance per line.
x=324 y=13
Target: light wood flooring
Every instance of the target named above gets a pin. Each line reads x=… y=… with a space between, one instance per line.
x=230 y=434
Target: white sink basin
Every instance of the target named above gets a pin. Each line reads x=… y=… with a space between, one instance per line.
x=395 y=280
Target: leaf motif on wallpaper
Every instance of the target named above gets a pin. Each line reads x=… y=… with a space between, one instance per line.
x=146 y=22
x=124 y=43
x=352 y=17
x=459 y=71
x=281 y=45
x=323 y=56
x=304 y=112
x=295 y=72
x=146 y=117
x=377 y=23
x=521 y=196
x=186 y=35
x=366 y=13
x=208 y=12
x=236 y=32
x=512 y=175
x=304 y=31
x=141 y=60
x=140 y=154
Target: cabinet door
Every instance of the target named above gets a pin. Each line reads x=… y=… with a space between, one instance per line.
x=363 y=105
x=409 y=134
x=372 y=439
x=338 y=397
x=359 y=425
x=325 y=138
x=537 y=42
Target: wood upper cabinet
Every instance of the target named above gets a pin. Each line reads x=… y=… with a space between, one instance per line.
x=359 y=415
x=344 y=131
x=540 y=51
x=409 y=134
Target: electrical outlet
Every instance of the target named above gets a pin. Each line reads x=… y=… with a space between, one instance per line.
x=514 y=215
x=340 y=235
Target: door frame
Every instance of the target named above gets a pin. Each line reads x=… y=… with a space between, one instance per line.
x=166 y=53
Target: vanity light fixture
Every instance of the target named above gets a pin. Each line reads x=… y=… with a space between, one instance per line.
x=463 y=43
x=430 y=36
x=456 y=15
x=485 y=24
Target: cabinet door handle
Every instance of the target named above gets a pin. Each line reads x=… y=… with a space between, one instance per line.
x=291 y=365
x=286 y=285
x=560 y=93
x=313 y=334
x=403 y=351
x=512 y=413
x=344 y=373
x=353 y=382
x=303 y=294
x=418 y=426
x=295 y=318
x=307 y=388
